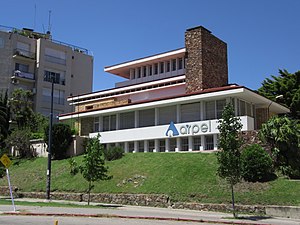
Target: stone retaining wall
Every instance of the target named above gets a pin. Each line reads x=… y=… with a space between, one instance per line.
x=154 y=200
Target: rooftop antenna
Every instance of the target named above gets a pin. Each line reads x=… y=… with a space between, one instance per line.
x=49 y=22
x=34 y=19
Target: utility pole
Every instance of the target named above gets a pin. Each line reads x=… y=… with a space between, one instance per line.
x=50 y=142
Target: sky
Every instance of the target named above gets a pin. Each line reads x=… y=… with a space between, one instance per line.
x=262 y=36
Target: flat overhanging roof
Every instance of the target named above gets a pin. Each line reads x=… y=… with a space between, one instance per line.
x=208 y=94
x=123 y=68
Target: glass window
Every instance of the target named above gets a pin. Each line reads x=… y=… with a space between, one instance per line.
x=209 y=142
x=180 y=63
x=220 y=106
x=210 y=110
x=167 y=114
x=146 y=117
x=55 y=56
x=127 y=120
x=96 y=124
x=139 y=72
x=168 y=66
x=109 y=123
x=150 y=70
x=173 y=64
x=242 y=107
x=130 y=146
x=161 y=67
x=155 y=68
x=248 y=111
x=144 y=71
x=196 y=143
x=151 y=146
x=141 y=146
x=162 y=145
x=190 y=112
x=184 y=144
x=58 y=96
x=58 y=78
x=173 y=144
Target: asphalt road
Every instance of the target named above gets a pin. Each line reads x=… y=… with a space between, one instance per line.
x=49 y=220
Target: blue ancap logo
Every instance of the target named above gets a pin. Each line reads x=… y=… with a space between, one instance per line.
x=172 y=130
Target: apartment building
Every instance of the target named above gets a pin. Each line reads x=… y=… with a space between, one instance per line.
x=171 y=101
x=30 y=60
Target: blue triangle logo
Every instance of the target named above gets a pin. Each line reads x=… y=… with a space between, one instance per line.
x=172 y=130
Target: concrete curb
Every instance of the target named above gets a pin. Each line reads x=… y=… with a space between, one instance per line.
x=129 y=217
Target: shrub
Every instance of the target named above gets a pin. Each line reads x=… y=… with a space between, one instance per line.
x=113 y=153
x=256 y=164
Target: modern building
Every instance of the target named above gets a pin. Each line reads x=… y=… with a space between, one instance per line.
x=29 y=60
x=170 y=101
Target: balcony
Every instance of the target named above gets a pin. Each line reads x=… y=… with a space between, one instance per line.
x=24 y=76
x=24 y=54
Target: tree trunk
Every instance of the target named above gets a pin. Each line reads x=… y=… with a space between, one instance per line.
x=233 y=207
x=89 y=194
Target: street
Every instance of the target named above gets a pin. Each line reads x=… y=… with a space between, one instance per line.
x=49 y=220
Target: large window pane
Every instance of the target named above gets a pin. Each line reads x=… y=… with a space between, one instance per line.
x=127 y=120
x=210 y=110
x=220 y=106
x=147 y=118
x=190 y=112
x=167 y=114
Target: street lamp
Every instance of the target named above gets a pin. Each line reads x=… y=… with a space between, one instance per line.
x=50 y=142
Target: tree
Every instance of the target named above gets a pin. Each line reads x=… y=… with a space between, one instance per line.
x=286 y=84
x=283 y=134
x=21 y=107
x=61 y=139
x=19 y=139
x=93 y=165
x=229 y=145
x=4 y=118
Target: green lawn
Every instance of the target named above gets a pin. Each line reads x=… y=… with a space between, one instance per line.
x=183 y=176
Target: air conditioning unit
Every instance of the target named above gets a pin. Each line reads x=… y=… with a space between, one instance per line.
x=15 y=81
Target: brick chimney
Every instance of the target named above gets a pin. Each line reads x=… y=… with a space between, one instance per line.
x=206 y=60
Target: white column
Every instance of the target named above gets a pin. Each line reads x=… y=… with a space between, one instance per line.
x=101 y=123
x=131 y=74
x=190 y=139
x=178 y=145
x=215 y=141
x=202 y=110
x=167 y=145
x=136 y=147
x=156 y=145
x=202 y=147
x=156 y=116
x=146 y=146
x=126 y=147
x=178 y=113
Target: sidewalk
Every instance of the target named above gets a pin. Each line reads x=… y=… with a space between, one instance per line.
x=137 y=212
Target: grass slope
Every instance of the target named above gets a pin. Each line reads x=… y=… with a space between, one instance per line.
x=183 y=176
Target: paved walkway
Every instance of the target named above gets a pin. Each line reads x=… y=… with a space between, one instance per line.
x=138 y=212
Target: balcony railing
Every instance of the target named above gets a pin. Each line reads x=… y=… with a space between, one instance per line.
x=24 y=53
x=56 y=60
x=18 y=73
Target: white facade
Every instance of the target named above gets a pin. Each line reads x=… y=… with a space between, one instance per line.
x=152 y=111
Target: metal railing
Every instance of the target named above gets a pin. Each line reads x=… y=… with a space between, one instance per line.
x=24 y=53
x=18 y=73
